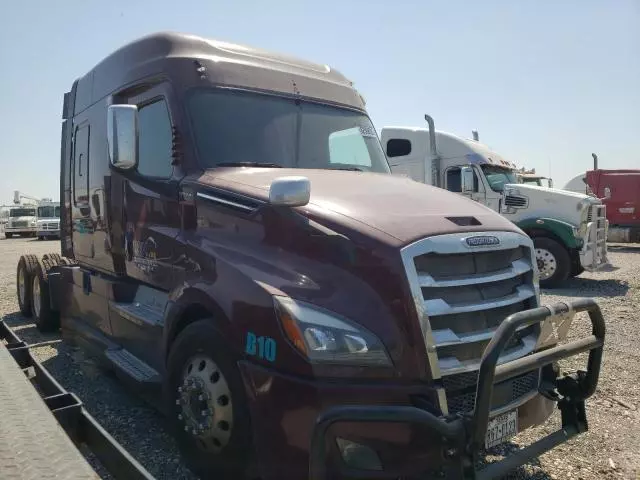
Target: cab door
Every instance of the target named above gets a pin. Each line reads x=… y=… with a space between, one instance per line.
x=151 y=204
x=453 y=183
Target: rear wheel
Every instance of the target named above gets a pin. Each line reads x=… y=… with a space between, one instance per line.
x=206 y=404
x=46 y=319
x=8 y=235
x=27 y=266
x=554 y=263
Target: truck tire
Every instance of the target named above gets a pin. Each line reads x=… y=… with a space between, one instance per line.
x=576 y=270
x=46 y=319
x=8 y=235
x=554 y=262
x=24 y=281
x=200 y=365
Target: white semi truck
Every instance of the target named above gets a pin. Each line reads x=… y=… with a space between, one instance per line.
x=568 y=229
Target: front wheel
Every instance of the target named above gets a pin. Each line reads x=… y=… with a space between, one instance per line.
x=554 y=263
x=206 y=403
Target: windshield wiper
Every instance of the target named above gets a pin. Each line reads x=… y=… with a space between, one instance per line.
x=248 y=164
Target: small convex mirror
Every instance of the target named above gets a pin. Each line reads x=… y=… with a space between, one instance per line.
x=466 y=174
x=122 y=136
x=290 y=191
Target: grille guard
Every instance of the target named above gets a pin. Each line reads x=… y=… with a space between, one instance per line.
x=463 y=435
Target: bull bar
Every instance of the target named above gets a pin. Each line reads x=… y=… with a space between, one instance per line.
x=463 y=434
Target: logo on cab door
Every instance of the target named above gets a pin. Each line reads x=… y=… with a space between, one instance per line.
x=482 y=241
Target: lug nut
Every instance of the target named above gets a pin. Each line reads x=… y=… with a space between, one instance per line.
x=204 y=413
x=179 y=389
x=186 y=428
x=201 y=397
x=178 y=402
x=194 y=431
x=179 y=416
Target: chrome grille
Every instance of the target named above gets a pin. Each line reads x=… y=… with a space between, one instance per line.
x=463 y=293
x=19 y=224
x=515 y=201
x=511 y=391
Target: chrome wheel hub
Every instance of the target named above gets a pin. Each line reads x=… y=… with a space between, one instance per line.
x=21 y=285
x=204 y=404
x=547 y=264
x=35 y=296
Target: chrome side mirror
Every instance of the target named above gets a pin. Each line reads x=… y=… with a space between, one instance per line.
x=122 y=136
x=466 y=176
x=290 y=191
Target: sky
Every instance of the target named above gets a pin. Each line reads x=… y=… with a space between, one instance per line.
x=546 y=83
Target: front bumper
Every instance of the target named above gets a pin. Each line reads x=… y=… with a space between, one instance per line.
x=458 y=440
x=593 y=255
x=48 y=233
x=19 y=230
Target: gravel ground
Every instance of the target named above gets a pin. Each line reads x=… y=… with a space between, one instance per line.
x=610 y=450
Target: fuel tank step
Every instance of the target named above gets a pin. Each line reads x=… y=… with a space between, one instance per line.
x=133 y=366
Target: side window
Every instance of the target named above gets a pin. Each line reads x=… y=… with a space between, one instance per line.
x=81 y=166
x=454 y=182
x=398 y=147
x=154 y=140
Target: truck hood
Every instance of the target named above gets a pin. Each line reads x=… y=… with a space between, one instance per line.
x=551 y=202
x=396 y=209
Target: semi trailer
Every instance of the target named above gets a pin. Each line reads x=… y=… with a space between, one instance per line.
x=569 y=230
x=235 y=246
x=44 y=427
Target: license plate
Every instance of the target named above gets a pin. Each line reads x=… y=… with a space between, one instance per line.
x=501 y=428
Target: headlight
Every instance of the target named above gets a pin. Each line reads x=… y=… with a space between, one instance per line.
x=324 y=338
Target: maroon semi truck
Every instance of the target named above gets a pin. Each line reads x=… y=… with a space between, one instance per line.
x=233 y=244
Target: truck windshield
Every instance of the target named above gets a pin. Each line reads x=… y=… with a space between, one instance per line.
x=48 y=212
x=498 y=176
x=22 y=212
x=241 y=128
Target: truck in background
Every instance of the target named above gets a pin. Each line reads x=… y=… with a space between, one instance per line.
x=532 y=178
x=48 y=221
x=619 y=190
x=22 y=221
x=293 y=308
x=568 y=229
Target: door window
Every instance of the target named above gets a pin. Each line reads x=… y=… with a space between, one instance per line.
x=454 y=181
x=154 y=140
x=81 y=166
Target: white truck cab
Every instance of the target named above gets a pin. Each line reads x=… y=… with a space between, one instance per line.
x=48 y=223
x=21 y=221
x=534 y=179
x=568 y=229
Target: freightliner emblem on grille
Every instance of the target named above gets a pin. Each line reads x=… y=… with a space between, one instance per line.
x=482 y=241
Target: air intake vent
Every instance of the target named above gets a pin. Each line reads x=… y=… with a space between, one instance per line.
x=464 y=221
x=515 y=201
